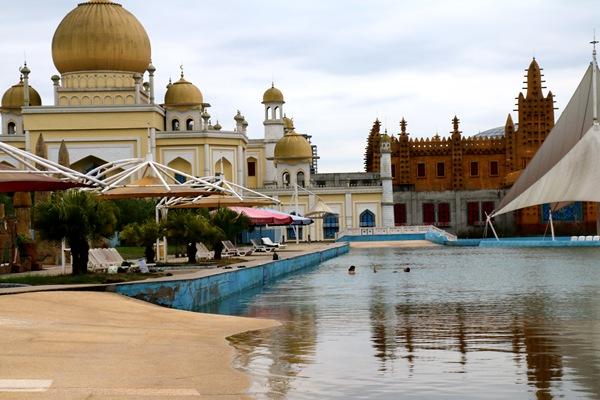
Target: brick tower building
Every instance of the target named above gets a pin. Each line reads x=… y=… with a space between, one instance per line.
x=454 y=181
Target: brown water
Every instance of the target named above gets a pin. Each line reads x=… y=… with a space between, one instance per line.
x=465 y=323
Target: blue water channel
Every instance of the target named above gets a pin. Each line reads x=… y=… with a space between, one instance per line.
x=465 y=323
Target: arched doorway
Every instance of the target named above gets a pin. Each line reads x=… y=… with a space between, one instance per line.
x=224 y=167
x=87 y=164
x=181 y=165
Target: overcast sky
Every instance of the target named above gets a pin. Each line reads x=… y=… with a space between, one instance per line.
x=340 y=64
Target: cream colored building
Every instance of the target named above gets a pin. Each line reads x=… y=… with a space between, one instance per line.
x=104 y=109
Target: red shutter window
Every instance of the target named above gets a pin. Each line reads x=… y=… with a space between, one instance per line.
x=444 y=214
x=441 y=169
x=472 y=213
x=421 y=170
x=494 y=168
x=251 y=168
x=487 y=207
x=400 y=214
x=474 y=168
x=428 y=213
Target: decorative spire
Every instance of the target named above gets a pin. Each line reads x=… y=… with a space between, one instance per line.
x=534 y=80
x=509 y=126
x=403 y=127
x=455 y=122
x=181 y=68
x=170 y=83
x=63 y=155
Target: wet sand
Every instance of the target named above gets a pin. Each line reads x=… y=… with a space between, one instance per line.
x=88 y=345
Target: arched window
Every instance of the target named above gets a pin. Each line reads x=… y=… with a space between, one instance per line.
x=175 y=125
x=267 y=112
x=300 y=179
x=285 y=179
x=12 y=128
x=276 y=113
x=189 y=124
x=367 y=219
x=331 y=226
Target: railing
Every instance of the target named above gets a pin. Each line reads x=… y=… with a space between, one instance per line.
x=398 y=230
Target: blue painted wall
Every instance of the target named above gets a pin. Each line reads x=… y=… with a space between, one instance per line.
x=382 y=238
x=191 y=294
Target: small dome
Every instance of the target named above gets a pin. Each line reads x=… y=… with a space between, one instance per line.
x=273 y=95
x=293 y=148
x=13 y=97
x=99 y=35
x=183 y=94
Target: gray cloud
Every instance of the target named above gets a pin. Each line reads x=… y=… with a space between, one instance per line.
x=340 y=63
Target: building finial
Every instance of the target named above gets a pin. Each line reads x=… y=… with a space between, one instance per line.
x=594 y=80
x=594 y=43
x=181 y=68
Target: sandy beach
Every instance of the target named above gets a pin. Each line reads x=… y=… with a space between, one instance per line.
x=88 y=345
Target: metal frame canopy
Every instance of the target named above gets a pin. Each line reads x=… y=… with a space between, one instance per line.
x=30 y=164
x=139 y=177
x=231 y=194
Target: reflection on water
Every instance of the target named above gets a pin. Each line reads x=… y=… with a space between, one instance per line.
x=464 y=323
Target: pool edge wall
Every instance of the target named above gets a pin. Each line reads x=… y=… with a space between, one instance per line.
x=191 y=294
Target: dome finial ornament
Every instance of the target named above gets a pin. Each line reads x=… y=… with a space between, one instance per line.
x=181 y=68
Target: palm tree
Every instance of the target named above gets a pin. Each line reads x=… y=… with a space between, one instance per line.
x=186 y=227
x=144 y=234
x=77 y=217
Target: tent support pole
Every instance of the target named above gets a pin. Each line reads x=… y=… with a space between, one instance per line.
x=488 y=220
x=551 y=225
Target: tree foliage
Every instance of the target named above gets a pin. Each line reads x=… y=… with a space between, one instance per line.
x=143 y=234
x=77 y=217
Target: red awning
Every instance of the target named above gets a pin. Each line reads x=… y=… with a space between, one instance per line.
x=12 y=180
x=263 y=217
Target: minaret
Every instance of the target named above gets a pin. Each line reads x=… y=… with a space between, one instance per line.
x=387 y=203
x=457 y=156
x=274 y=129
x=151 y=71
x=25 y=71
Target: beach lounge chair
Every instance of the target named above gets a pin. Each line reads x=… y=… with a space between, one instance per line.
x=588 y=238
x=596 y=238
x=573 y=238
x=230 y=249
x=202 y=253
x=104 y=259
x=260 y=248
x=581 y=238
x=269 y=243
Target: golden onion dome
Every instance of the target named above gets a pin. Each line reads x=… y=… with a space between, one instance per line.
x=183 y=94
x=293 y=147
x=100 y=35
x=273 y=95
x=14 y=97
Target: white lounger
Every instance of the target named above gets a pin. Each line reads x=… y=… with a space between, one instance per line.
x=269 y=243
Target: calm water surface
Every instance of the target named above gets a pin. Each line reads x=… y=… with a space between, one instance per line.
x=465 y=323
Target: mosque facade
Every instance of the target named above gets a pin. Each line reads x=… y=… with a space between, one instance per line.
x=104 y=109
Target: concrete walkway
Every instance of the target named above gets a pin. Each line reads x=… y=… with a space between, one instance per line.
x=84 y=345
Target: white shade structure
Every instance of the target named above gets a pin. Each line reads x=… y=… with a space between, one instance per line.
x=139 y=178
x=27 y=163
x=566 y=168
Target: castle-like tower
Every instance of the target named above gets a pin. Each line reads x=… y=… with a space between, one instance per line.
x=477 y=167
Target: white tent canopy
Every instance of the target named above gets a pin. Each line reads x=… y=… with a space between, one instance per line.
x=566 y=168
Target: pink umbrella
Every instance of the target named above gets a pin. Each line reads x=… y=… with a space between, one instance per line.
x=263 y=217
